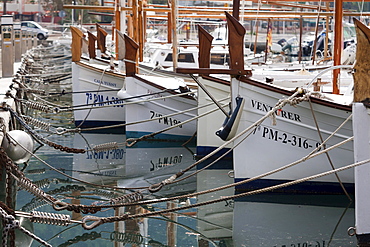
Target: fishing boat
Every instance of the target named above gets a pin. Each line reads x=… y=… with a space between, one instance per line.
x=262 y=147
x=157 y=103
x=95 y=86
x=295 y=131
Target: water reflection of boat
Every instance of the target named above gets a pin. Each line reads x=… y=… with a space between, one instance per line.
x=145 y=163
x=151 y=162
x=216 y=220
x=293 y=220
x=102 y=167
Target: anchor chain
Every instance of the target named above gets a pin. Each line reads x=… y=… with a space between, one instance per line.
x=9 y=202
x=10 y=223
x=41 y=138
x=84 y=237
x=24 y=182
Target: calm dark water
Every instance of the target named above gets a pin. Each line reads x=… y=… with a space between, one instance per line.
x=271 y=220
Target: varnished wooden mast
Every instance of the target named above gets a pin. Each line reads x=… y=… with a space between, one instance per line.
x=338 y=43
x=205 y=44
x=362 y=69
x=92 y=39
x=130 y=56
x=76 y=46
x=117 y=21
x=174 y=32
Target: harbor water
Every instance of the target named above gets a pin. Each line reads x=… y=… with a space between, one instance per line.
x=266 y=219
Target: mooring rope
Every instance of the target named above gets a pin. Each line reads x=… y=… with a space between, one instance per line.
x=102 y=104
x=324 y=146
x=90 y=109
x=132 y=141
x=99 y=221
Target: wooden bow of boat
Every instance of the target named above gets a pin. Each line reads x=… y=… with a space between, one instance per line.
x=205 y=44
x=76 y=47
x=130 y=56
x=92 y=39
x=101 y=35
x=361 y=67
x=236 y=42
x=236 y=50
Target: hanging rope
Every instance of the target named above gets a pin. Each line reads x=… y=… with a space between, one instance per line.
x=62 y=131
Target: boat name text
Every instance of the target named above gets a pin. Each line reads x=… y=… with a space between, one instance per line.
x=107 y=83
x=116 y=154
x=165 y=120
x=305 y=244
x=285 y=114
x=102 y=99
x=165 y=161
x=285 y=138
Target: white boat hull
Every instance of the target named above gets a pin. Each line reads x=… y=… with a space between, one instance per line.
x=95 y=89
x=294 y=136
x=207 y=140
x=147 y=87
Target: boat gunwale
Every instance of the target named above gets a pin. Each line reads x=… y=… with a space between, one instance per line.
x=106 y=72
x=286 y=92
x=161 y=88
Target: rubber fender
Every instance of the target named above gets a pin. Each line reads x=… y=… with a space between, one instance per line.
x=230 y=125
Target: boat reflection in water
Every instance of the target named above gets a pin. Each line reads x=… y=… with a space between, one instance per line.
x=101 y=167
x=259 y=220
x=293 y=220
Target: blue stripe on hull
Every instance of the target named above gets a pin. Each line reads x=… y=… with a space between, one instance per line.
x=94 y=124
x=162 y=137
x=225 y=163
x=309 y=187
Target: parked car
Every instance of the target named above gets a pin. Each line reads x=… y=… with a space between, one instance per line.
x=42 y=33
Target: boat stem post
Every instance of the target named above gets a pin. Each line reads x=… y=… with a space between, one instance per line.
x=361 y=134
x=361 y=123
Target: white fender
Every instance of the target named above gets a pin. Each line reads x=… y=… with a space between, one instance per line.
x=14 y=150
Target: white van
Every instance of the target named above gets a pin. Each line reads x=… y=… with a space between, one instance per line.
x=42 y=33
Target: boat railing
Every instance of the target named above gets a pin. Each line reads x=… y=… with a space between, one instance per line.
x=311 y=83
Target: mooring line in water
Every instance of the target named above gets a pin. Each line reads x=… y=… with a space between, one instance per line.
x=324 y=146
x=137 y=122
x=102 y=104
x=97 y=92
x=39 y=137
x=132 y=141
x=11 y=223
x=293 y=99
x=100 y=220
x=207 y=192
x=92 y=209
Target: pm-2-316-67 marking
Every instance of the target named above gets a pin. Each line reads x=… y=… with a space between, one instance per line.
x=284 y=138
